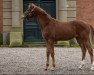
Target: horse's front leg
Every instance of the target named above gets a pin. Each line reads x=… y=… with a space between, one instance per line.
x=53 y=58
x=50 y=50
x=47 y=55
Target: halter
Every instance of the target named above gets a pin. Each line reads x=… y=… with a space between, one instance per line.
x=31 y=12
x=33 y=9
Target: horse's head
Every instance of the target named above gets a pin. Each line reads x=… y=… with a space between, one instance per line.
x=30 y=12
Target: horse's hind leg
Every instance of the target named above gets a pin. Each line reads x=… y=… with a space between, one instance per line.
x=53 y=59
x=83 y=55
x=83 y=49
x=90 y=50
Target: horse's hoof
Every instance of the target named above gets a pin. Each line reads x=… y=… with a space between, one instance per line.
x=92 y=67
x=46 y=69
x=52 y=69
x=80 y=67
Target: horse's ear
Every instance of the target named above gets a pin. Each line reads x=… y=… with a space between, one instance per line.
x=33 y=4
x=30 y=3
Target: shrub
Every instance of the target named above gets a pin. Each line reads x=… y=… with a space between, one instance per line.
x=7 y=39
x=15 y=39
x=16 y=43
x=63 y=43
x=73 y=43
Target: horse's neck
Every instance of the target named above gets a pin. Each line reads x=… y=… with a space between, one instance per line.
x=43 y=20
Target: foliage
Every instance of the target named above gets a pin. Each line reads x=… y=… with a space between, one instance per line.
x=63 y=43
x=8 y=39
x=16 y=43
x=15 y=39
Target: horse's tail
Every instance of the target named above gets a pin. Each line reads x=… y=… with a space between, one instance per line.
x=91 y=35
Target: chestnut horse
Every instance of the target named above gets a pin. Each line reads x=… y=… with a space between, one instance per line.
x=53 y=30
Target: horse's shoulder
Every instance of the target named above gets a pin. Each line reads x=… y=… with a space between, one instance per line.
x=48 y=32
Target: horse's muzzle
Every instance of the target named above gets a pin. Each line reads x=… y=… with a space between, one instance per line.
x=22 y=16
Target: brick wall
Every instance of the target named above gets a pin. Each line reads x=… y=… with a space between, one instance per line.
x=1 y=15
x=7 y=19
x=7 y=15
x=71 y=10
x=85 y=11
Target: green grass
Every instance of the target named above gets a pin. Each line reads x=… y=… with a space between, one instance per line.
x=43 y=44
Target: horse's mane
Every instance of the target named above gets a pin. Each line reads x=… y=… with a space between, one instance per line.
x=43 y=12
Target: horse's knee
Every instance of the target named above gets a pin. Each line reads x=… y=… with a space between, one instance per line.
x=48 y=53
x=52 y=54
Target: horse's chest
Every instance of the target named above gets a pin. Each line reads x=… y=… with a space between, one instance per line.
x=48 y=34
x=45 y=35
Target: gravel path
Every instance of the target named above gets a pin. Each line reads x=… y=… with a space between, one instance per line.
x=32 y=61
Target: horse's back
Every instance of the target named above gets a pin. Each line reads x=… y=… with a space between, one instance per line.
x=71 y=29
x=80 y=26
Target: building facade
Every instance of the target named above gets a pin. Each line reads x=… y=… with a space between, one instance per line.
x=19 y=30
x=1 y=15
x=85 y=11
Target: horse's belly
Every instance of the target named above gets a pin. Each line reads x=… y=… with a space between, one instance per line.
x=63 y=36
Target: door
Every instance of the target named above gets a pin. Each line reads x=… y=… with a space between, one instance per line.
x=31 y=28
